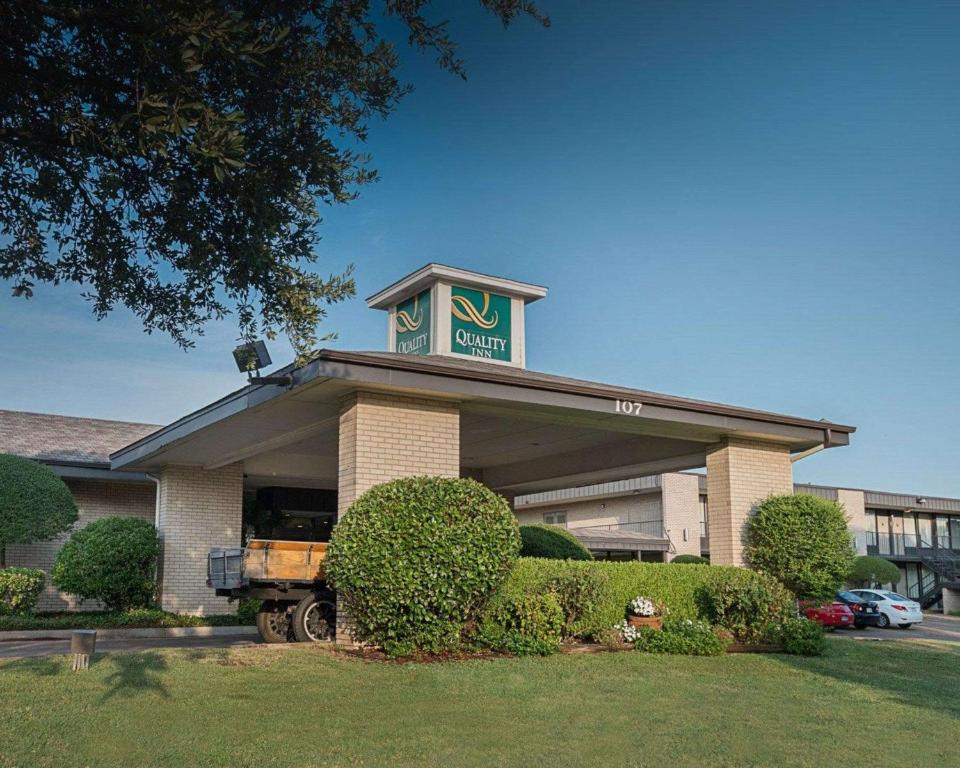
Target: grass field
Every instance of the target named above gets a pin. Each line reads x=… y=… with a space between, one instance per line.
x=866 y=704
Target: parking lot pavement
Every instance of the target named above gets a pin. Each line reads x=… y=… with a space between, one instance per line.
x=16 y=649
x=934 y=627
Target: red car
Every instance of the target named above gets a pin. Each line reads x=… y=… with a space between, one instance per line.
x=834 y=615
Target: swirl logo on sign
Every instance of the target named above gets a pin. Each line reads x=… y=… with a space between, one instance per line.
x=463 y=309
x=407 y=323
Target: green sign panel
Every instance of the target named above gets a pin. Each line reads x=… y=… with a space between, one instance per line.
x=412 y=327
x=480 y=324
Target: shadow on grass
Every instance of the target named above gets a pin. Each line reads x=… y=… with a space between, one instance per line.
x=41 y=666
x=134 y=674
x=920 y=675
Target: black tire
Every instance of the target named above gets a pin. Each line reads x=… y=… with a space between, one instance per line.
x=273 y=622
x=884 y=621
x=315 y=620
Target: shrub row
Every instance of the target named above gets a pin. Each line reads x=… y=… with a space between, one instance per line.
x=688 y=591
x=684 y=637
x=20 y=589
x=136 y=618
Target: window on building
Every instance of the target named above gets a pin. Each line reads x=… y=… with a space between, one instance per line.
x=555 y=518
x=704 y=516
x=910 y=530
x=925 y=526
x=955 y=533
x=870 y=524
x=943 y=532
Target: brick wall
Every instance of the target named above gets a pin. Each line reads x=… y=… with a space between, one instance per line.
x=385 y=437
x=741 y=473
x=199 y=509
x=853 y=505
x=681 y=511
x=95 y=499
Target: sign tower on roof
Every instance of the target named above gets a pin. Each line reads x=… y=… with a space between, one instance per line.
x=440 y=310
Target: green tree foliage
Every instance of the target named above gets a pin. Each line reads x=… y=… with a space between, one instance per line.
x=20 y=589
x=113 y=560
x=552 y=542
x=867 y=571
x=35 y=504
x=416 y=560
x=171 y=156
x=803 y=541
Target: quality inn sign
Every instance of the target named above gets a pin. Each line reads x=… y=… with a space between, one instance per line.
x=442 y=310
x=479 y=323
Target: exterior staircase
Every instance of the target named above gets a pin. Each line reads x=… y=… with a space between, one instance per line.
x=943 y=570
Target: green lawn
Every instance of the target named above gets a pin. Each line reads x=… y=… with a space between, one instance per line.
x=866 y=704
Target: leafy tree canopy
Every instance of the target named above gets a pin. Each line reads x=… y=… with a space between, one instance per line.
x=170 y=156
x=803 y=541
x=868 y=571
x=35 y=504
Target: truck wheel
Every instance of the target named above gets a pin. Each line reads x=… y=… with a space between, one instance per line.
x=273 y=622
x=315 y=620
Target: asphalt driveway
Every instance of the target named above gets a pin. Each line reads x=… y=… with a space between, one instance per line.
x=934 y=627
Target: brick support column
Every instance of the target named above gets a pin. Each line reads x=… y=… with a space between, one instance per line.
x=740 y=474
x=199 y=509
x=680 y=496
x=951 y=600
x=384 y=437
x=853 y=505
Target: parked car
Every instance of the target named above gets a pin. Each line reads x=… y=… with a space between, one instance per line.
x=833 y=615
x=895 y=609
x=866 y=613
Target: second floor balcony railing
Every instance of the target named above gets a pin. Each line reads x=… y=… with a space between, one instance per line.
x=652 y=528
x=909 y=545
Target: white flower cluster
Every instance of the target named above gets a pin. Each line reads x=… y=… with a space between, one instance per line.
x=630 y=634
x=642 y=606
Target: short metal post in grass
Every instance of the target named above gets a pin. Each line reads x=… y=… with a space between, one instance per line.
x=83 y=642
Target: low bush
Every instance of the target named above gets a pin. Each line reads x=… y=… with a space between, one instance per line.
x=136 y=618
x=681 y=590
x=747 y=608
x=803 y=637
x=690 y=560
x=682 y=637
x=552 y=542
x=525 y=625
x=20 y=589
x=113 y=560
x=416 y=560
x=247 y=610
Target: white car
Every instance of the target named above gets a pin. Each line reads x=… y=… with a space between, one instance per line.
x=895 y=609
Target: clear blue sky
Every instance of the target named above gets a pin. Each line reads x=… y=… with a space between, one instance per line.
x=750 y=202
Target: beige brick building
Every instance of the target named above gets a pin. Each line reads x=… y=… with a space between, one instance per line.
x=451 y=397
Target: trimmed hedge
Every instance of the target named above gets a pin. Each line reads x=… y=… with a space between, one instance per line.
x=803 y=541
x=683 y=638
x=683 y=590
x=113 y=560
x=416 y=560
x=137 y=618
x=35 y=504
x=552 y=542
x=690 y=560
x=527 y=625
x=20 y=589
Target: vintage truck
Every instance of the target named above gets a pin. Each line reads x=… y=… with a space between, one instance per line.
x=288 y=577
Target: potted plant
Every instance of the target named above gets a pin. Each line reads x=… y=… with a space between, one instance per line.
x=644 y=612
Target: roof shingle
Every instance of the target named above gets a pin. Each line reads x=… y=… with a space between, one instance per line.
x=66 y=439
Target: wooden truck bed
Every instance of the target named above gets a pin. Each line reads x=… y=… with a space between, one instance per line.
x=266 y=561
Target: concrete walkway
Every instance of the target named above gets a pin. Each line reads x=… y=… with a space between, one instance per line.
x=17 y=649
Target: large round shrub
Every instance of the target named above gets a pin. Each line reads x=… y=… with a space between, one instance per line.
x=551 y=542
x=113 y=560
x=803 y=541
x=35 y=504
x=415 y=560
x=869 y=571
